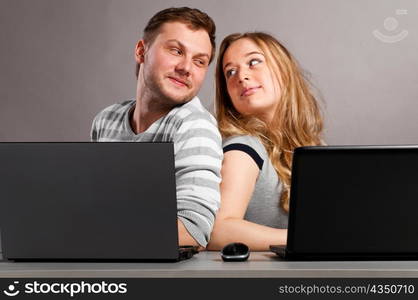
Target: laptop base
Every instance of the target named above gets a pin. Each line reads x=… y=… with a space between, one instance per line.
x=185 y=252
x=281 y=252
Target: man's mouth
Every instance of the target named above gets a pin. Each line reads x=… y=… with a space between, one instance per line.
x=250 y=90
x=179 y=82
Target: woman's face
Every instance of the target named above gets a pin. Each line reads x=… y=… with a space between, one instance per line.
x=250 y=83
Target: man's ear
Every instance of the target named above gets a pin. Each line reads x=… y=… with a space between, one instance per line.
x=140 y=51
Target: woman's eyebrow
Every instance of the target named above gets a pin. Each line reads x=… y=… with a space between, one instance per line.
x=226 y=66
x=254 y=52
x=248 y=54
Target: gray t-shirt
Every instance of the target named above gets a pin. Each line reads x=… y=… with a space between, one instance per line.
x=197 y=153
x=263 y=207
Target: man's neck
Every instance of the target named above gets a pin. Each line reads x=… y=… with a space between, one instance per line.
x=145 y=113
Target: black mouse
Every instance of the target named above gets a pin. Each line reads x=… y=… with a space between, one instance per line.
x=235 y=252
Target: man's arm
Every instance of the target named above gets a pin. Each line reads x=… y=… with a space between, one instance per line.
x=94 y=130
x=185 y=239
x=199 y=156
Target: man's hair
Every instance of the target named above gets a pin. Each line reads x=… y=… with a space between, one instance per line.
x=192 y=17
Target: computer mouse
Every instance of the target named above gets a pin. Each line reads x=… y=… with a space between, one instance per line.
x=235 y=252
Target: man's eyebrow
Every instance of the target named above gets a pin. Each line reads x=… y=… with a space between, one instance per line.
x=175 y=41
x=203 y=54
x=248 y=54
x=181 y=45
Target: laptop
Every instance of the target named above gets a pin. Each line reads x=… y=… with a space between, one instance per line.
x=89 y=201
x=353 y=203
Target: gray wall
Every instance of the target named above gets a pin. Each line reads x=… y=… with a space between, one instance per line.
x=62 y=61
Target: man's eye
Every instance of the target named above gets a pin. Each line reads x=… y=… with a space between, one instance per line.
x=200 y=62
x=175 y=51
x=254 y=61
x=230 y=72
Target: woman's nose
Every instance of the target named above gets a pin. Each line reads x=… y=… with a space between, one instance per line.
x=243 y=76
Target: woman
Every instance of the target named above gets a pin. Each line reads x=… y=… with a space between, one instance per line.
x=265 y=110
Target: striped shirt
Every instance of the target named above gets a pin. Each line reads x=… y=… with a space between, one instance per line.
x=197 y=151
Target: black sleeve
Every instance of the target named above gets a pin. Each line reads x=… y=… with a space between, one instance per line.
x=247 y=149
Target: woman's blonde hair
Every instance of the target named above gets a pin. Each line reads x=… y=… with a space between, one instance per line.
x=297 y=120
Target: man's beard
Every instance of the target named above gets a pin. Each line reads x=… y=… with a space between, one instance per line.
x=156 y=88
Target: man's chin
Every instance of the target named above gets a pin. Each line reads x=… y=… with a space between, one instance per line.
x=177 y=99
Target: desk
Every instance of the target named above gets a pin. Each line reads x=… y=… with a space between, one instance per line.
x=208 y=264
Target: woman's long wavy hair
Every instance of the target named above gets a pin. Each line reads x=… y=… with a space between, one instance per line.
x=297 y=120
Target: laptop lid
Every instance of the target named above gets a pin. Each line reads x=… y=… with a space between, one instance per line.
x=88 y=201
x=354 y=202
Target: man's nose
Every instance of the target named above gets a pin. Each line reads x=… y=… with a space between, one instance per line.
x=184 y=66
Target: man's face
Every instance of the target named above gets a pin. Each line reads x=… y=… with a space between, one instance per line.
x=174 y=65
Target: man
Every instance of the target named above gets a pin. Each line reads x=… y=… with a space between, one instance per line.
x=172 y=59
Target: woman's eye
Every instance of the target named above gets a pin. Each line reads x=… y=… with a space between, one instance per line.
x=254 y=62
x=230 y=73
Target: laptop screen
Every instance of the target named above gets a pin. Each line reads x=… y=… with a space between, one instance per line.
x=354 y=200
x=88 y=201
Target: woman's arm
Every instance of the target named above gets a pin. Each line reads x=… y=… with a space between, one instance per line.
x=239 y=175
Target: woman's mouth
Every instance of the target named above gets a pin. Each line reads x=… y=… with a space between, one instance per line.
x=250 y=90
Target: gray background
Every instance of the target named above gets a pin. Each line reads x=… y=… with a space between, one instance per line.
x=62 y=61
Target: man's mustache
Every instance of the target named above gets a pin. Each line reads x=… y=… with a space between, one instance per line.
x=181 y=79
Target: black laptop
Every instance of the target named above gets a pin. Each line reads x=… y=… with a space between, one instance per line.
x=353 y=203
x=89 y=201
